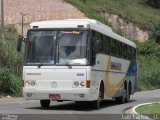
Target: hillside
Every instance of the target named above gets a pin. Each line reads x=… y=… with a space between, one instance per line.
x=38 y=10
x=132 y=11
x=130 y=18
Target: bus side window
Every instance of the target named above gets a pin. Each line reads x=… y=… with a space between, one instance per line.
x=129 y=52
x=106 y=45
x=113 y=47
x=99 y=41
x=124 y=48
x=93 y=56
x=133 y=54
x=119 y=49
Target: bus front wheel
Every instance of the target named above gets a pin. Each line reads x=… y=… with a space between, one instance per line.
x=45 y=103
x=96 y=103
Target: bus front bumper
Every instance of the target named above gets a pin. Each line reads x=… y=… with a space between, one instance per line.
x=83 y=94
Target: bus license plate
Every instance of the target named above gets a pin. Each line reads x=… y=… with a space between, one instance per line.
x=54 y=96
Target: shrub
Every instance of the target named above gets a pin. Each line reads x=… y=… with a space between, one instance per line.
x=153 y=3
x=148 y=48
x=9 y=57
x=10 y=84
x=10 y=63
x=148 y=72
x=148 y=65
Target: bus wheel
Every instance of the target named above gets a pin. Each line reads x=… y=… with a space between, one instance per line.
x=96 y=103
x=127 y=94
x=45 y=103
x=121 y=100
x=80 y=102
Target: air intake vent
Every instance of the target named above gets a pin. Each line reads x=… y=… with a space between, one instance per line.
x=35 y=26
x=80 y=26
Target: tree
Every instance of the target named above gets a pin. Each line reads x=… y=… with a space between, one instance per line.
x=153 y=3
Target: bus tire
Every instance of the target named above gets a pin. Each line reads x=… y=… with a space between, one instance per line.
x=127 y=94
x=80 y=102
x=96 y=103
x=121 y=99
x=45 y=103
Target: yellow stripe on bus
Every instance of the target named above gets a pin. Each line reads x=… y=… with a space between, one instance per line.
x=110 y=90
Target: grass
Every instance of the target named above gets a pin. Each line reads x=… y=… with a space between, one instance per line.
x=9 y=57
x=10 y=83
x=149 y=109
x=10 y=63
x=135 y=11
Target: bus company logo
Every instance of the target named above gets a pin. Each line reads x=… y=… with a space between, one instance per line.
x=54 y=84
x=116 y=66
x=80 y=74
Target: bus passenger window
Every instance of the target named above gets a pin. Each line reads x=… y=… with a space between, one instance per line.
x=124 y=48
x=113 y=47
x=119 y=49
x=133 y=54
x=106 y=45
x=93 y=56
x=129 y=52
x=99 y=38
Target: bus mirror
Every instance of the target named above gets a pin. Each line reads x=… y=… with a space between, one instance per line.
x=19 y=43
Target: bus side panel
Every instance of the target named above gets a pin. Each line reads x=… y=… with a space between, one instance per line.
x=130 y=79
x=114 y=72
x=115 y=75
x=98 y=71
x=132 y=73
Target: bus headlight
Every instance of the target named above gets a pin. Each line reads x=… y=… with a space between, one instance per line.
x=76 y=83
x=79 y=83
x=83 y=83
x=33 y=83
x=29 y=83
x=26 y=83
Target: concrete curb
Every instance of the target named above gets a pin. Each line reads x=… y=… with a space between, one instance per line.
x=133 y=109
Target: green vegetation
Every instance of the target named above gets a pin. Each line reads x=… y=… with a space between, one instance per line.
x=148 y=73
x=149 y=109
x=10 y=84
x=149 y=48
x=153 y=3
x=9 y=57
x=10 y=63
x=136 y=11
x=148 y=60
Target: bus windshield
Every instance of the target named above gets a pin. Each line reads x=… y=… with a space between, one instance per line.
x=56 y=47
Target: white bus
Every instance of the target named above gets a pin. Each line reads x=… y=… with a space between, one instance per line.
x=77 y=60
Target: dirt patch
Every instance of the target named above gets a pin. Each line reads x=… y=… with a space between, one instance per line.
x=39 y=10
x=130 y=30
x=10 y=100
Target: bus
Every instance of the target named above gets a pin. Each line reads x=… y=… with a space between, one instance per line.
x=79 y=60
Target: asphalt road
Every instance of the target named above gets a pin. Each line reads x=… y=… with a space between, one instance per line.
x=107 y=107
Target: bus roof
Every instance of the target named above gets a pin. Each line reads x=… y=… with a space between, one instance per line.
x=82 y=23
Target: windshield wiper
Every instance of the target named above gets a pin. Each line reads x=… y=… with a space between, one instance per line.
x=39 y=65
x=66 y=61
